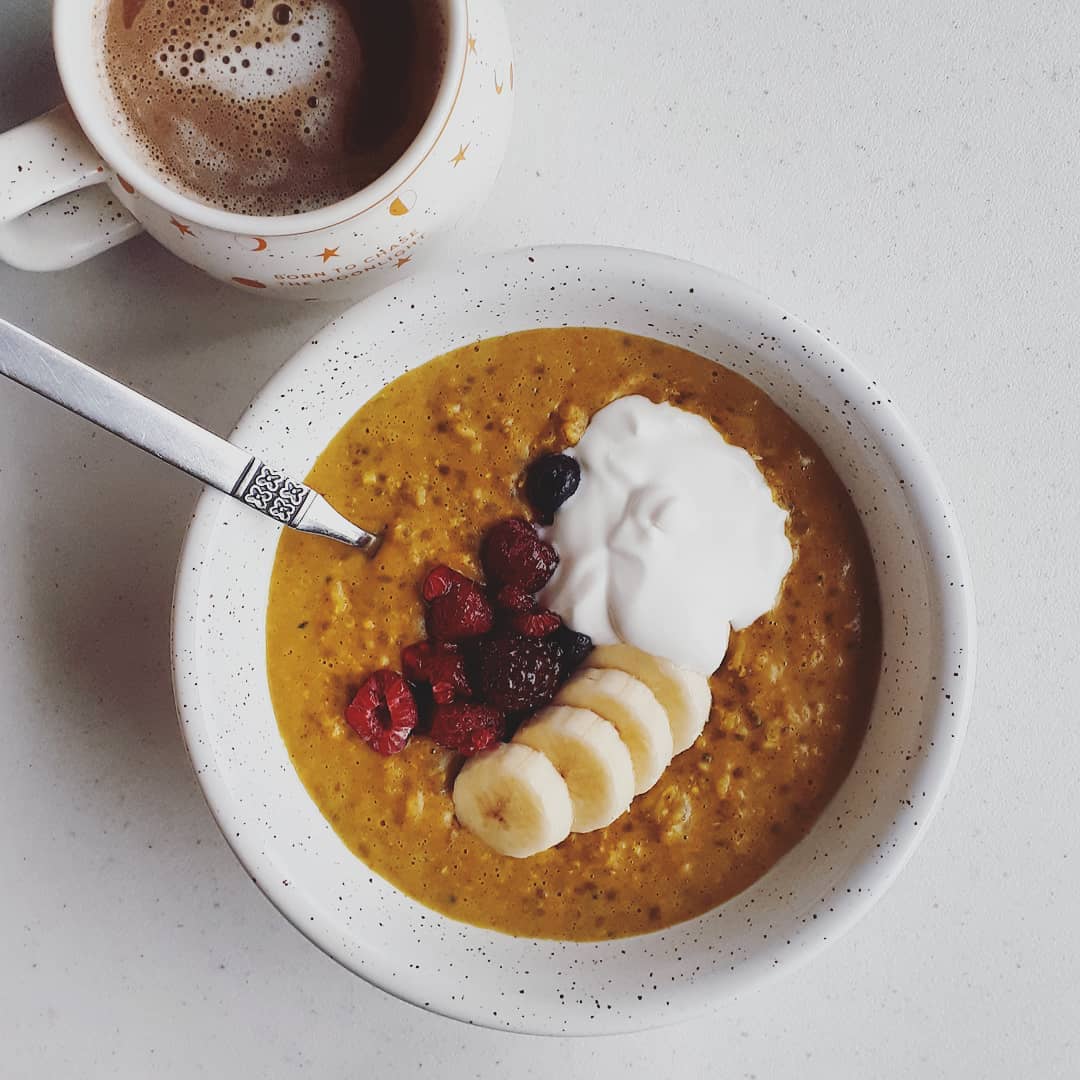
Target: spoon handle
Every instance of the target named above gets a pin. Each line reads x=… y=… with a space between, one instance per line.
x=151 y=427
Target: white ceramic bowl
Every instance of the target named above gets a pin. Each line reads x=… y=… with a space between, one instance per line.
x=817 y=891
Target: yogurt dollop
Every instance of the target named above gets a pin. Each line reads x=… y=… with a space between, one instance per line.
x=671 y=539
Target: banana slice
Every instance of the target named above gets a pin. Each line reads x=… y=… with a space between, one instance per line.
x=590 y=756
x=684 y=694
x=631 y=707
x=514 y=800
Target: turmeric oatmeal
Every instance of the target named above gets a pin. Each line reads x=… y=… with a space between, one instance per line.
x=440 y=453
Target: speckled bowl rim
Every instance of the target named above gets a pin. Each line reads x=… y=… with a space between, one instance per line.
x=958 y=620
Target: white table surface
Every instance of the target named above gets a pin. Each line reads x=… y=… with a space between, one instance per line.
x=902 y=174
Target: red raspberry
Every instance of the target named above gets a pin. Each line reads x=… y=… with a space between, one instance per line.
x=519 y=672
x=440 y=666
x=383 y=712
x=537 y=623
x=526 y=616
x=458 y=607
x=440 y=581
x=512 y=554
x=515 y=598
x=467 y=728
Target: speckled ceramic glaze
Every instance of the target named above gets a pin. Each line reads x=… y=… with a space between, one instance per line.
x=70 y=185
x=817 y=891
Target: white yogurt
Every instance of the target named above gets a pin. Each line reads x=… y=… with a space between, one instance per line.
x=671 y=539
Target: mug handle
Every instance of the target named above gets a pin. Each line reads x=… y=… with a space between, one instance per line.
x=55 y=210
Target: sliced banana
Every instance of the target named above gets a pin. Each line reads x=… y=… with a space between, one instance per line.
x=684 y=694
x=631 y=707
x=590 y=756
x=514 y=800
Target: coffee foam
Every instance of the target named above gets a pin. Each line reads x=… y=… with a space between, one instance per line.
x=263 y=107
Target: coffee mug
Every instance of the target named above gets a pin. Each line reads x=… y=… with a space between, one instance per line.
x=72 y=186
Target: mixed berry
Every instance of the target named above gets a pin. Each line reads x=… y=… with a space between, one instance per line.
x=550 y=481
x=493 y=654
x=383 y=712
x=440 y=666
x=467 y=726
x=513 y=554
x=458 y=608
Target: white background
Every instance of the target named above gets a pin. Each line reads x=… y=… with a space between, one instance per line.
x=903 y=175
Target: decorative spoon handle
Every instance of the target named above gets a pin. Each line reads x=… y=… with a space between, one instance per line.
x=153 y=428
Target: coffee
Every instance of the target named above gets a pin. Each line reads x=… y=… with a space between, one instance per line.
x=263 y=107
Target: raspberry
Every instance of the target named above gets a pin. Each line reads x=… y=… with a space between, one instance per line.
x=467 y=728
x=525 y=615
x=459 y=609
x=440 y=581
x=514 y=598
x=383 y=712
x=550 y=481
x=537 y=623
x=573 y=648
x=518 y=672
x=440 y=666
x=512 y=554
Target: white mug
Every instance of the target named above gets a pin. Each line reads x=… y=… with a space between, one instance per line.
x=71 y=184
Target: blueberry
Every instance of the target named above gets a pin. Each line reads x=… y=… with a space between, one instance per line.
x=550 y=481
x=573 y=648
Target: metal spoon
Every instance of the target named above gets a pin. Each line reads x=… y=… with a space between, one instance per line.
x=151 y=427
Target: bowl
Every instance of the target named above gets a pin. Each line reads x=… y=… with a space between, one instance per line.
x=817 y=891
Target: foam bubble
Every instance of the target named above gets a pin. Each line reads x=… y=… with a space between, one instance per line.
x=259 y=106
